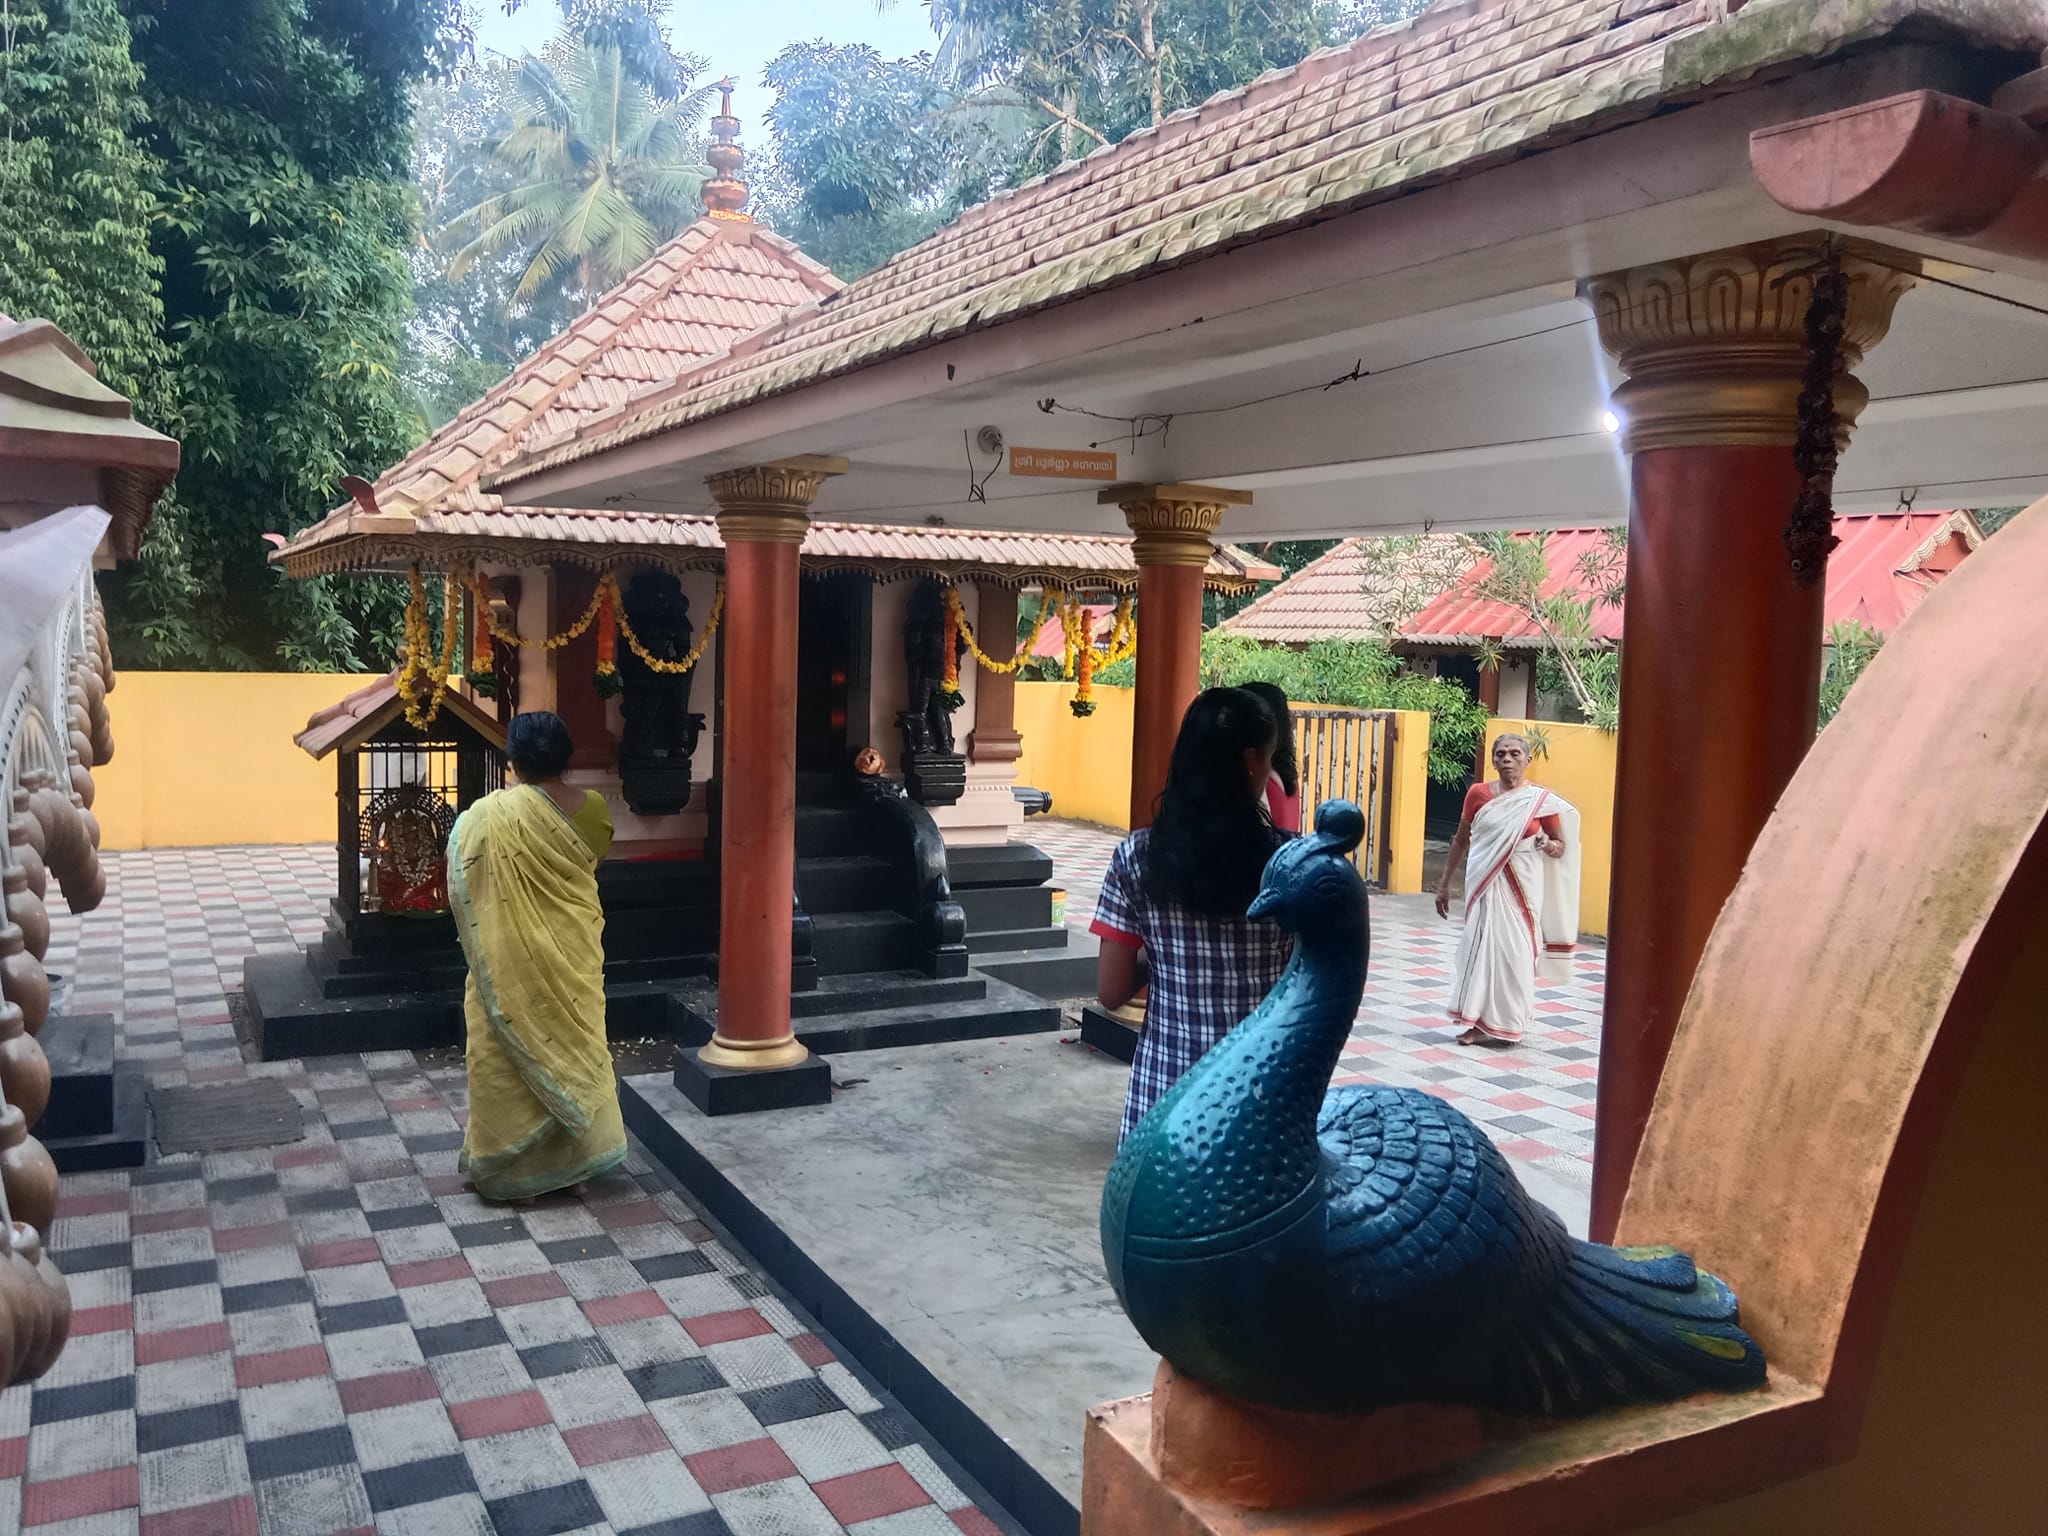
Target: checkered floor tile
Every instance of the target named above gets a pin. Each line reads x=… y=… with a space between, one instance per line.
x=335 y=1335
x=1536 y=1100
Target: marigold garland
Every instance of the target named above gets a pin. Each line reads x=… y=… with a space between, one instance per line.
x=1049 y=601
x=950 y=696
x=607 y=681
x=1082 y=657
x=420 y=713
x=682 y=663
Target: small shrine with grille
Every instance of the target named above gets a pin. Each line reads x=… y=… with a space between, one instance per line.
x=399 y=788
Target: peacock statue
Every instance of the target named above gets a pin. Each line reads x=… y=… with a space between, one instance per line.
x=1344 y=1249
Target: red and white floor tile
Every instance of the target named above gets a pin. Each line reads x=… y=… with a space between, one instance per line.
x=335 y=1335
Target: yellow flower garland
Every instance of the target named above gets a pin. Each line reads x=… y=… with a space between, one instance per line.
x=1081 y=649
x=420 y=714
x=608 y=585
x=681 y=664
x=1049 y=602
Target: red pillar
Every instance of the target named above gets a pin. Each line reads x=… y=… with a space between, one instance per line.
x=762 y=517
x=1171 y=527
x=1719 y=689
x=1169 y=666
x=1721 y=660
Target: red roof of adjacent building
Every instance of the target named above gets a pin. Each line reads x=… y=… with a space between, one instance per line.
x=1886 y=562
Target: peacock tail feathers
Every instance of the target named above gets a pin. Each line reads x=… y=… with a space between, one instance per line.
x=1626 y=1325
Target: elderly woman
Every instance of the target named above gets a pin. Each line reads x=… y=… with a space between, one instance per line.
x=543 y=1103
x=1520 y=843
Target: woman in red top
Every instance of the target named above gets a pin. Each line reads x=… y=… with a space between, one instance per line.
x=1520 y=844
x=1282 y=797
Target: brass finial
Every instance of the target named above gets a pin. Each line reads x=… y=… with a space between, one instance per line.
x=725 y=195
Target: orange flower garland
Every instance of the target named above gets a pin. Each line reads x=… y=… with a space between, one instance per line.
x=608 y=680
x=950 y=696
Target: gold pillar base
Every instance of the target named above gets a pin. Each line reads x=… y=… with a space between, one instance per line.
x=754 y=1055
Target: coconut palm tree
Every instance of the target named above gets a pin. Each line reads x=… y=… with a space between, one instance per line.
x=604 y=171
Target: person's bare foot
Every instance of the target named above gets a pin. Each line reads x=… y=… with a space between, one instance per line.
x=1477 y=1036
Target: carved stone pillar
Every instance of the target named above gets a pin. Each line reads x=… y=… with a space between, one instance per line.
x=1721 y=666
x=763 y=513
x=1173 y=525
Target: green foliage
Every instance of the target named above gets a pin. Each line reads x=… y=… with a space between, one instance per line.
x=280 y=131
x=1359 y=674
x=1991 y=519
x=603 y=171
x=1290 y=555
x=1573 y=660
x=1851 y=647
x=859 y=165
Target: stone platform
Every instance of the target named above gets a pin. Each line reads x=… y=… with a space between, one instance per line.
x=939 y=1217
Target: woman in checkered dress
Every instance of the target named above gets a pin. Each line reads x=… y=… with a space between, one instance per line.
x=1172 y=911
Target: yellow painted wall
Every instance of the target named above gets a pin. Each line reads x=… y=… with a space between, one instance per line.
x=206 y=758
x=1580 y=766
x=1085 y=765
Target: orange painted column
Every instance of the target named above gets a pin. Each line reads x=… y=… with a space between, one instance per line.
x=1171 y=527
x=1720 y=673
x=1489 y=700
x=763 y=514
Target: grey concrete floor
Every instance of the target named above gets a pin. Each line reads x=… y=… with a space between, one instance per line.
x=953 y=1191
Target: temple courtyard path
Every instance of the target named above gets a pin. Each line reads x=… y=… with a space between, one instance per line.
x=333 y=1335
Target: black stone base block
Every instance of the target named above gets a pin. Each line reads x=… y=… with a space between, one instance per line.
x=80 y=1050
x=935 y=778
x=883 y=1009
x=744 y=1090
x=1108 y=1033
x=125 y=1141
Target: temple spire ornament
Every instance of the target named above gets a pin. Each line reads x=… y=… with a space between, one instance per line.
x=725 y=195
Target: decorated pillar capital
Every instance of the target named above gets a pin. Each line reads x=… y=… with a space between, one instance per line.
x=1714 y=345
x=770 y=503
x=1173 y=524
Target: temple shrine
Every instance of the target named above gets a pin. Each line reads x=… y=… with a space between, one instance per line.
x=1719 y=270
x=626 y=624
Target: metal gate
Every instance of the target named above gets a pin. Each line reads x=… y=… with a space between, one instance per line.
x=1348 y=754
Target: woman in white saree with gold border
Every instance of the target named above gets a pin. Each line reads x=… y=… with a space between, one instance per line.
x=1520 y=844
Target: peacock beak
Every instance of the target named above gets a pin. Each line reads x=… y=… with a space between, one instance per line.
x=1263 y=904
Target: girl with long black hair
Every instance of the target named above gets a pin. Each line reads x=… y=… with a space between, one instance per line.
x=1172 y=911
x=1282 y=797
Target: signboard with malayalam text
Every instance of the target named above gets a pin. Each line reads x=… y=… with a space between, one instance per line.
x=1064 y=463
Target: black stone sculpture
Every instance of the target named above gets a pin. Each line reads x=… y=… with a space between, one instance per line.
x=932 y=771
x=660 y=732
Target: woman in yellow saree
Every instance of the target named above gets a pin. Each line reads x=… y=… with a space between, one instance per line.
x=543 y=1103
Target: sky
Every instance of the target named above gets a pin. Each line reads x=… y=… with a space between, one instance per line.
x=738 y=39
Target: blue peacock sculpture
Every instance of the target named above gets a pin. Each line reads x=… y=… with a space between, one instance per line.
x=1344 y=1249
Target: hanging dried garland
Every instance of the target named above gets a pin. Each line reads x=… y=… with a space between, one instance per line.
x=1049 y=601
x=1809 y=535
x=419 y=665
x=483 y=675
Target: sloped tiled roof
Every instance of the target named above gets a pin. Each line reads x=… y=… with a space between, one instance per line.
x=1359 y=590
x=520 y=536
x=369 y=709
x=1886 y=563
x=1453 y=91
x=717 y=281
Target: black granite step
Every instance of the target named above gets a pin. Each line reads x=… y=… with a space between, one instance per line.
x=933 y=1019
x=1108 y=1033
x=992 y=908
x=830 y=831
x=997 y=864
x=847 y=882
x=845 y=942
x=996 y=940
